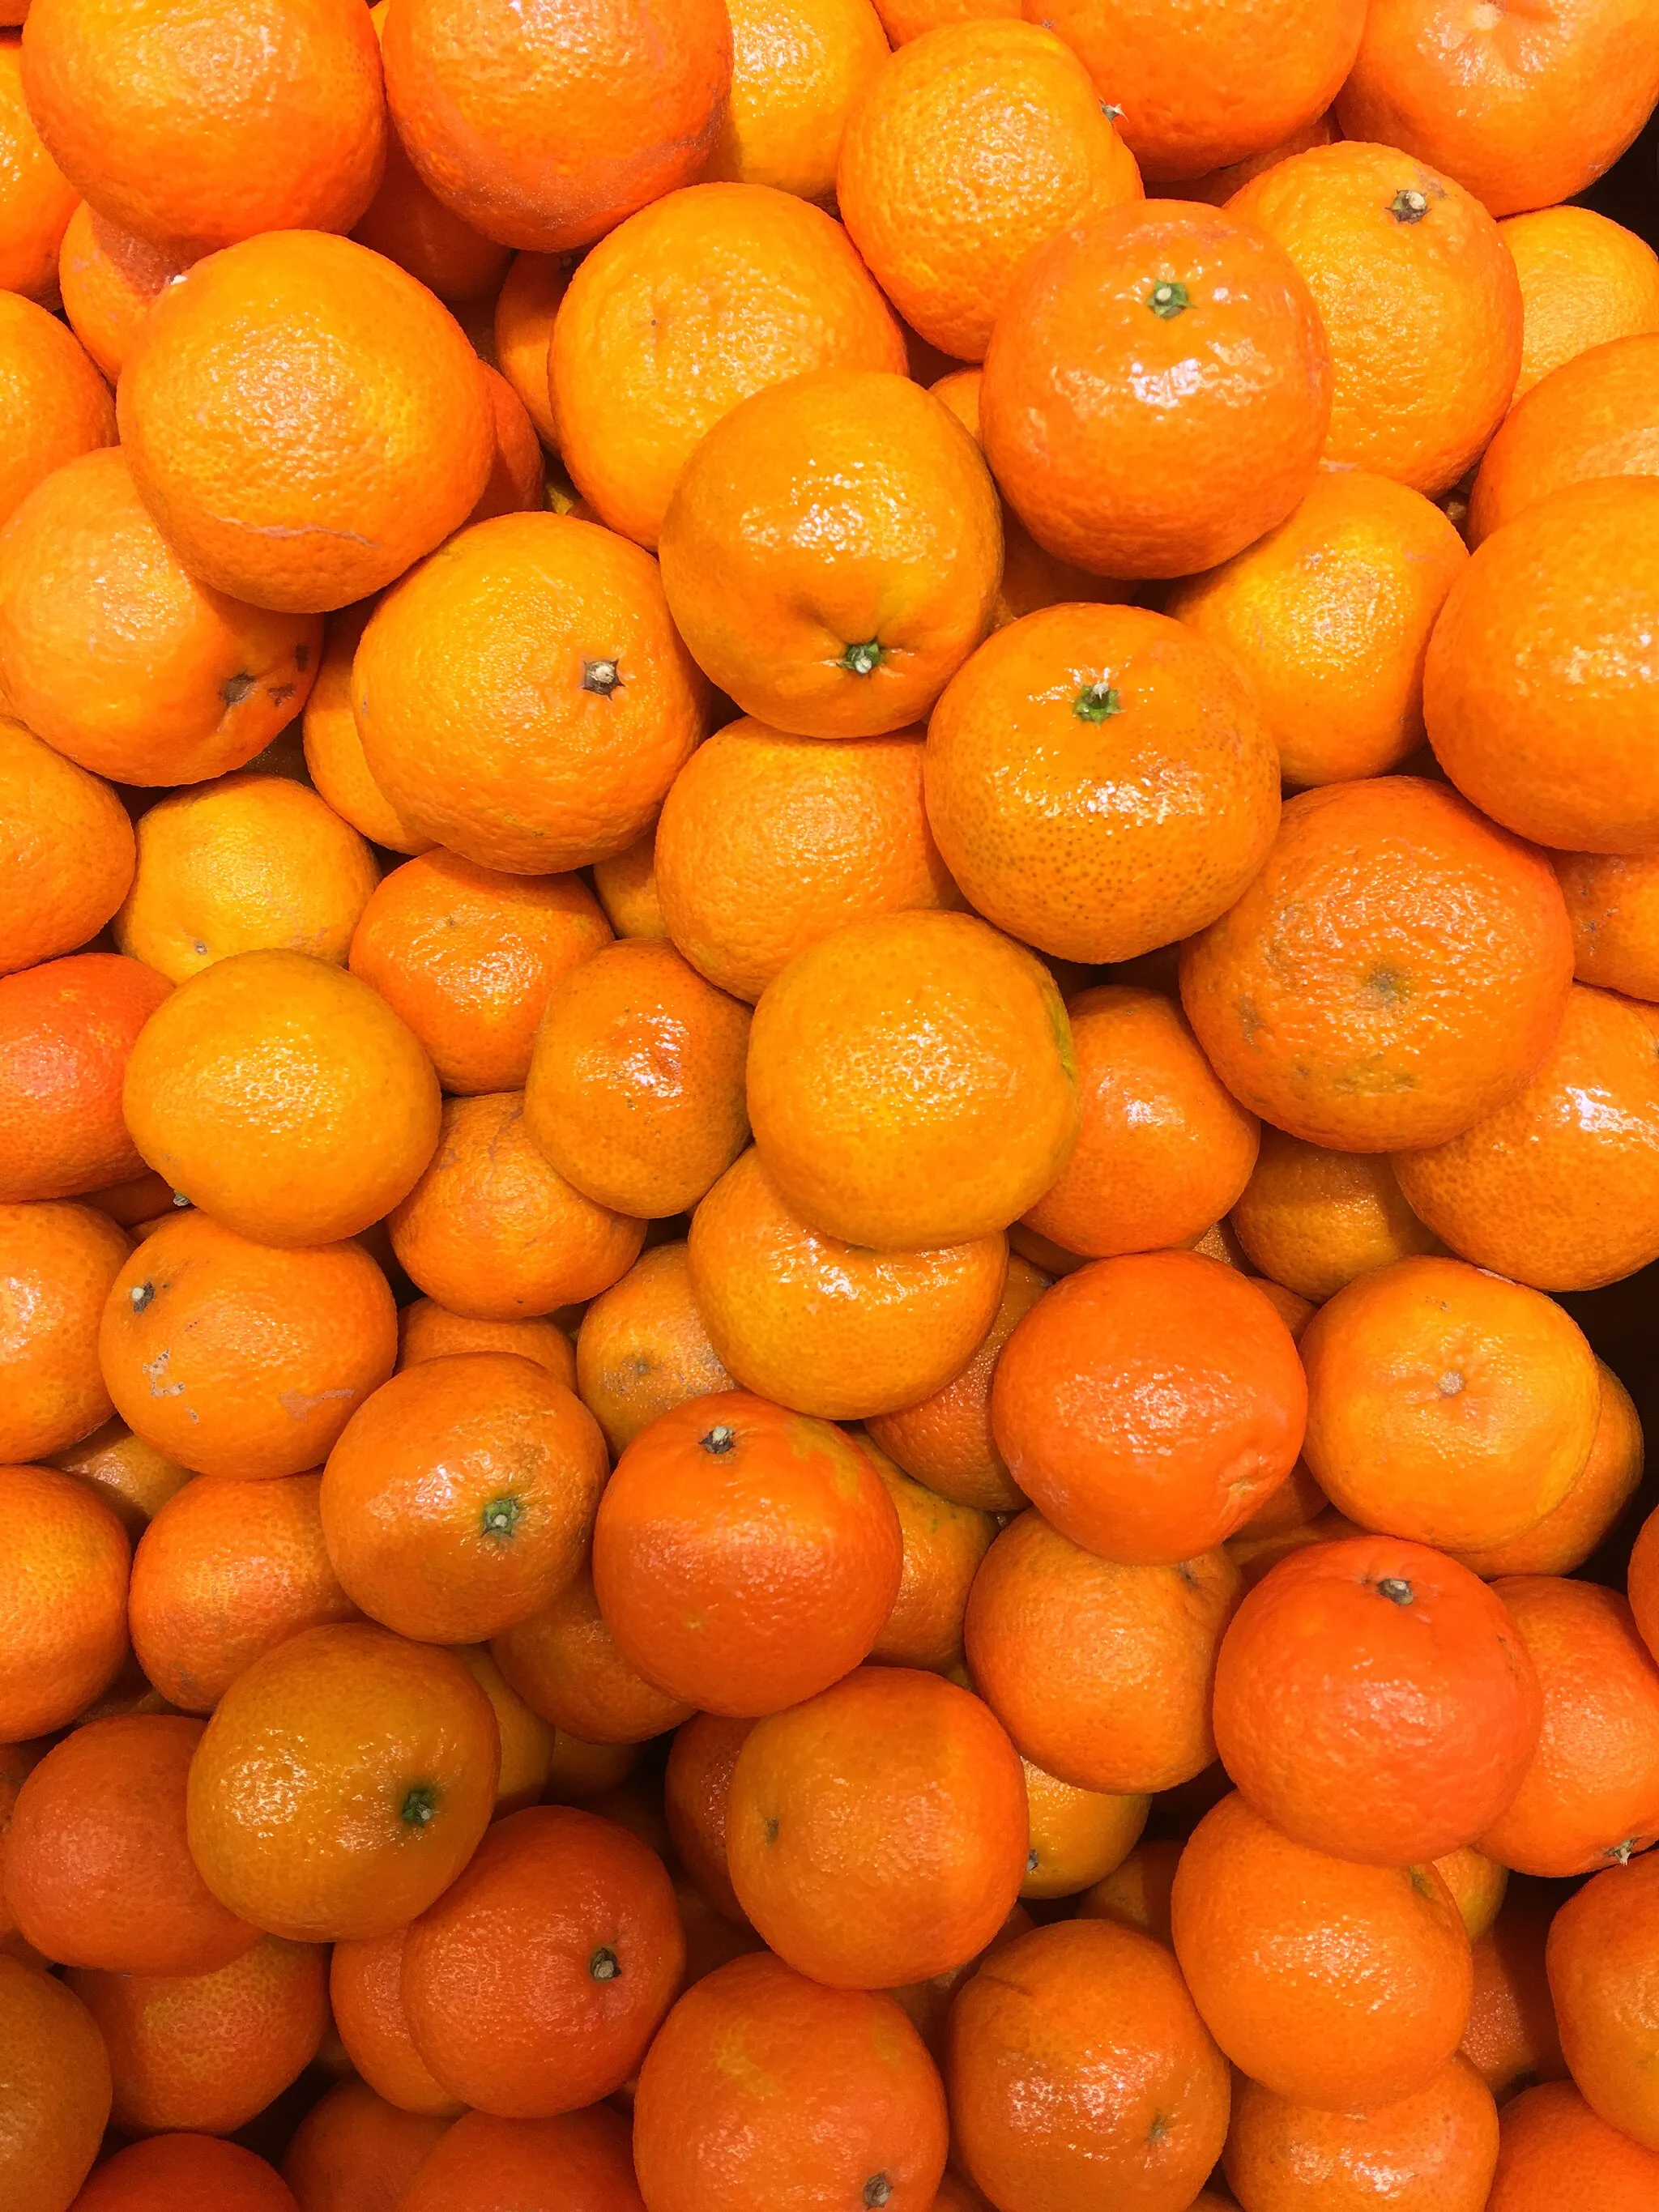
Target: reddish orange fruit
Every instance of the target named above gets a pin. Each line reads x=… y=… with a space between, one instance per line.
x=642 y=1348
x=426 y=1331
x=1550 y=2144
x=1605 y=1485
x=1596 y=416
x=578 y=2162
x=1600 y=1942
x=353 y=2152
x=109 y=279
x=67 y=1030
x=1611 y=905
x=1313 y=1219
x=564 y=1663
x=944 y=1545
x=365 y=1983
x=63 y=1592
x=66 y=851
x=1433 y=2151
x=1511 y=2037
x=170 y=2170
x=56 y=2100
x=36 y=198
x=53 y=400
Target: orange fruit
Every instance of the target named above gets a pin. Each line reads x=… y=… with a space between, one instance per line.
x=1338 y=999
x=1642 y=1581
x=365 y=1986
x=627 y=886
x=1595 y=416
x=1544 y=628
x=154 y=2176
x=63 y=1595
x=36 y=199
x=407 y=222
x=1117 y=412
x=460 y=1497
x=1612 y=904
x=1200 y=89
x=944 y=1441
x=1544 y=1188
x=1477 y=1884
x=636 y=91
x=690 y=306
x=1136 y=1893
x=375 y=438
x=904 y=19
x=491 y=1230
x=797 y=68
x=1549 y=2143
x=334 y=747
x=944 y=1544
x=563 y=1661
x=467 y=958
x=109 y=279
x=635 y=1090
x=1342 y=1986
x=517 y=483
x=1604 y=1486
x=114 y=654
x=1590 y=1794
x=283 y=1096
x=67 y=1030
x=353 y=2152
x=768 y=842
x=1080 y=2075
x=243 y=1359
x=833 y=634
x=271 y=121
x=535 y=1983
x=826 y=1327
x=877 y=1834
x=53 y=404
x=529 y=1743
x=1331 y=615
x=1419 y=298
x=131 y=1477
x=1313 y=1219
x=853 y=1143
x=59 y=1263
x=1584 y=282
x=1101 y=1672
x=1077 y=1836
x=578 y=2162
x=521 y=329
x=66 y=851
x=426 y=1331
x=568 y=712
x=207 y=2051
x=1433 y=2151
x=224 y=1573
x=373 y=1761
x=1599 y=1947
x=972 y=148
x=1446 y=1406
x=1373 y=1701
x=762 y=2087
x=1524 y=109
x=1215 y=187
x=715 y=1511
x=697 y=1784
x=1088 y=843
x=642 y=1349
x=1511 y=2037
x=56 y=2097
x=1212 y=1375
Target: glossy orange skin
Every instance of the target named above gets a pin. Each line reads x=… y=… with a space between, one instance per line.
x=63 y=1596
x=1076 y=409
x=944 y=1544
x=56 y=2097
x=1551 y=2143
x=108 y=279
x=1605 y=1485
x=131 y=1477
x=97 y=1871
x=1077 y=1836
x=426 y=1331
x=636 y=1089
x=696 y=1785
x=1433 y=2151
x=1473 y=92
x=60 y=1261
x=1422 y=308
x=1396 y=970
x=474 y=93
x=407 y=222
x=1512 y=2039
x=1198 y=89
x=522 y=329
x=1590 y=1794
x=501 y=1976
x=1556 y=1186
x=149 y=2176
x=744 y=1557
x=1312 y=1219
x=834 y=1329
x=1597 y=415
x=578 y=2162
x=762 y=2087
x=1101 y=1673
x=492 y=1231
x=555 y=772
x=1332 y=1984
x=796 y=71
x=36 y=199
x=642 y=1349
x=1584 y=282
x=1331 y=615
x=962 y=156
x=334 y=747
x=684 y=310
x=379 y=1820
x=67 y=1029
x=267 y=119
x=1515 y=714
x=207 y=2051
x=768 y=843
x=1373 y=1701
x=911 y=1082
x=269 y=1350
x=353 y=2152
x=460 y=1497
x=1598 y=1959
x=66 y=851
x=1096 y=833
x=365 y=1986
x=627 y=886
x=1446 y=1406
x=1081 y=2078
x=1613 y=904
x=1148 y=1404
x=877 y=1834
x=563 y=1661
x=53 y=403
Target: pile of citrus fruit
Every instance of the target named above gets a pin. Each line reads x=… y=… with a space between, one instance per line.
x=828 y=1106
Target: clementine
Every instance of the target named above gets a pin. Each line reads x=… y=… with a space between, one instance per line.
x=1612 y=904
x=353 y=2152
x=57 y=1265
x=642 y=1349
x=563 y=1661
x=55 y=2097
x=1600 y=1944
x=109 y=279
x=66 y=851
x=63 y=1600
x=53 y=404
x=1549 y=2143
x=67 y=1030
x=365 y=1986
x=797 y=68
x=1433 y=2151
x=334 y=747
x=578 y=2162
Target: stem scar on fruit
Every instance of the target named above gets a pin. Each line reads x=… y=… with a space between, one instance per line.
x=601 y=675
x=1409 y=205
x=863 y=660
x=419 y=1806
x=1096 y=702
x=1167 y=298
x=603 y=1966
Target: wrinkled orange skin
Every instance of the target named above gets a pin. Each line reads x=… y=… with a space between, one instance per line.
x=1100 y=1673
x=1330 y=1984
x=1604 y=1486
x=642 y=1348
x=944 y=1544
x=155 y=2175
x=579 y=2162
x=66 y=1032
x=1613 y=904
x=66 y=851
x=59 y=1263
x=1549 y=2143
x=1312 y=1219
x=1433 y=2151
x=1584 y=282
x=334 y=747
x=1600 y=1946
x=563 y=1661
x=36 y=199
x=109 y=280
x=696 y=1783
x=426 y=1331
x=1512 y=2039
x=63 y=1595
x=353 y=2152
x=1080 y=2075
x=57 y=2089
x=365 y=1985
